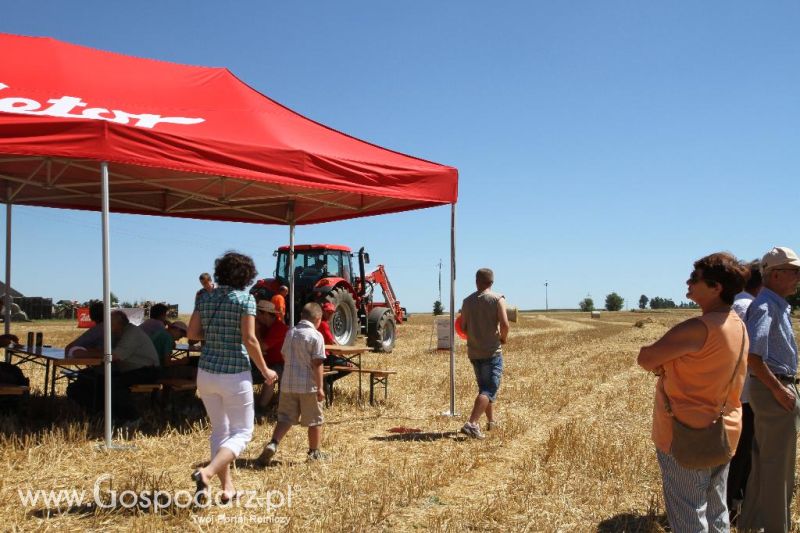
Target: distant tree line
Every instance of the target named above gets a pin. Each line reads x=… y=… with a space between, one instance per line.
x=657 y=302
x=614 y=302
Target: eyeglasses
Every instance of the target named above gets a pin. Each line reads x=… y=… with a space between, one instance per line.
x=694 y=277
x=795 y=270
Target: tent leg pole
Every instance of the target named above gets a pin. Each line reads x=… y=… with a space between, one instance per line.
x=291 y=275
x=452 y=309
x=7 y=296
x=106 y=308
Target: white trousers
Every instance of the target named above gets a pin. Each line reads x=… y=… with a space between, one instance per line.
x=228 y=399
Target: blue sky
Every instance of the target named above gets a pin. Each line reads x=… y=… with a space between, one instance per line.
x=602 y=146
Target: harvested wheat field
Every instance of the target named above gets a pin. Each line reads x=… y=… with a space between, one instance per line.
x=572 y=453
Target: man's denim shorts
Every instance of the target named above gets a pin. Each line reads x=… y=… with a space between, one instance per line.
x=488 y=373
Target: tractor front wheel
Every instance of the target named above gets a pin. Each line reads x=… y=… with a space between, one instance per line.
x=381 y=330
x=344 y=322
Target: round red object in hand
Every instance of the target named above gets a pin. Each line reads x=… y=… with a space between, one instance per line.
x=459 y=330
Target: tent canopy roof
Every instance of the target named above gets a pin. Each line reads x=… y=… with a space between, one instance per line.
x=185 y=141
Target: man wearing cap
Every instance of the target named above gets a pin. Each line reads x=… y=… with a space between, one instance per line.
x=164 y=339
x=772 y=364
x=271 y=332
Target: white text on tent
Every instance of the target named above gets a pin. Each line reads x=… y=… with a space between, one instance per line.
x=63 y=107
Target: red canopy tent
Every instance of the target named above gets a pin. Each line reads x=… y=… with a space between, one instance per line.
x=88 y=129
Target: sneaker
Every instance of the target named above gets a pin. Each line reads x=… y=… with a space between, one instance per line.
x=266 y=455
x=316 y=455
x=472 y=431
x=492 y=425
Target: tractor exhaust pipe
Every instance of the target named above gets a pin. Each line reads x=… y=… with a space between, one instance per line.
x=363 y=258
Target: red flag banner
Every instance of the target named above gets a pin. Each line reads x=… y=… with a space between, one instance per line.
x=83 y=318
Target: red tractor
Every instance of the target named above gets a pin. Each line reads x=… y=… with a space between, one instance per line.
x=324 y=273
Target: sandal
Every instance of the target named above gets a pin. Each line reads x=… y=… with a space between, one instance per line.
x=201 y=490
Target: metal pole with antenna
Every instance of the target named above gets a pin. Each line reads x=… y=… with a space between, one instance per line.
x=546 y=303
x=440 y=281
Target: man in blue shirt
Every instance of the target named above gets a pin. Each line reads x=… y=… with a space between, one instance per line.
x=772 y=362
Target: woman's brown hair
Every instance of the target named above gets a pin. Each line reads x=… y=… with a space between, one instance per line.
x=234 y=270
x=723 y=268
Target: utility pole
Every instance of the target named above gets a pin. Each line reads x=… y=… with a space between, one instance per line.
x=440 y=280
x=546 y=303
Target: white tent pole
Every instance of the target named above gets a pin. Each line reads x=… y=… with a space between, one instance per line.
x=452 y=309
x=106 y=308
x=7 y=296
x=291 y=265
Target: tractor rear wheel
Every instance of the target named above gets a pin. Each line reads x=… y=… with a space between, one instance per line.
x=344 y=322
x=381 y=330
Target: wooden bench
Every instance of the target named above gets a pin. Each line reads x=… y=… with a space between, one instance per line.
x=145 y=388
x=178 y=384
x=13 y=390
x=153 y=389
x=376 y=377
x=161 y=391
x=173 y=386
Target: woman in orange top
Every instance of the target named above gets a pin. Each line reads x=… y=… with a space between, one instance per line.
x=695 y=361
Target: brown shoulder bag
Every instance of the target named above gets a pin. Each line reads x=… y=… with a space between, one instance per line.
x=708 y=447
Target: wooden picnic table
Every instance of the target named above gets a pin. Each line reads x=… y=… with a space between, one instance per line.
x=351 y=354
x=52 y=359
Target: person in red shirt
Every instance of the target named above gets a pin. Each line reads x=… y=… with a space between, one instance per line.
x=270 y=332
x=327 y=312
x=279 y=301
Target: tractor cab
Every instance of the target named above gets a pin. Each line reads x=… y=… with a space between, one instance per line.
x=313 y=262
